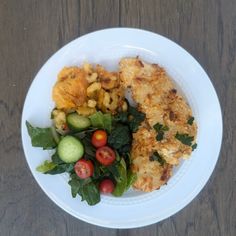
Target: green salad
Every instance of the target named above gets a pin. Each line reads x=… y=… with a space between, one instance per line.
x=93 y=150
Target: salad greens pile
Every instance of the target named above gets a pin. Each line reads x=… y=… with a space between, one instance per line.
x=119 y=129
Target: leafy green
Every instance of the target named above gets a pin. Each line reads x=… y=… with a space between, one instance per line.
x=102 y=121
x=114 y=170
x=46 y=166
x=131 y=178
x=84 y=133
x=184 y=138
x=58 y=169
x=56 y=159
x=119 y=136
x=56 y=166
x=135 y=118
x=190 y=120
x=156 y=157
x=41 y=137
x=90 y=193
x=160 y=131
x=122 y=183
x=55 y=135
x=89 y=149
x=122 y=117
x=85 y=188
x=75 y=186
x=194 y=146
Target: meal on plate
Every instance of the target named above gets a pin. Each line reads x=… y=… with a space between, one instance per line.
x=105 y=144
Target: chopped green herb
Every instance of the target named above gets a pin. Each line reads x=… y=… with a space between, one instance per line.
x=190 y=120
x=160 y=131
x=194 y=146
x=156 y=157
x=160 y=136
x=184 y=138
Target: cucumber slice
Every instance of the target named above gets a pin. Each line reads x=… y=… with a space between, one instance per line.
x=77 y=122
x=70 y=149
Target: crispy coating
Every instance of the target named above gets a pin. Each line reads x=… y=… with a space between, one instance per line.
x=69 y=91
x=150 y=174
x=156 y=96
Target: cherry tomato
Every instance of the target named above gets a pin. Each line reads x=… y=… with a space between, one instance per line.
x=105 y=155
x=106 y=186
x=84 y=168
x=99 y=138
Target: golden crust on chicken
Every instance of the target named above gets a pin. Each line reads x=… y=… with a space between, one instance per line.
x=151 y=174
x=167 y=116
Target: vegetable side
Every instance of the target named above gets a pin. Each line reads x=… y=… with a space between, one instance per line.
x=119 y=129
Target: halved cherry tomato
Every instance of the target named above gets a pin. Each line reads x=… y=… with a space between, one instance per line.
x=84 y=168
x=99 y=138
x=106 y=186
x=105 y=155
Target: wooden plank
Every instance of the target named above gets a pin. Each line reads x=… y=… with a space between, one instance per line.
x=98 y=14
x=32 y=30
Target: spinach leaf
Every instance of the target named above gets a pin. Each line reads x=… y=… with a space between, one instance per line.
x=86 y=188
x=77 y=183
x=131 y=178
x=89 y=149
x=58 y=169
x=119 y=136
x=135 y=118
x=160 y=131
x=57 y=166
x=121 y=117
x=122 y=183
x=102 y=121
x=190 y=120
x=41 y=137
x=75 y=186
x=56 y=159
x=90 y=193
x=114 y=170
x=46 y=166
x=184 y=138
x=156 y=157
x=84 y=133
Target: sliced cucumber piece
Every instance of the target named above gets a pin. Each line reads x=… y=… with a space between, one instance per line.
x=77 y=122
x=70 y=149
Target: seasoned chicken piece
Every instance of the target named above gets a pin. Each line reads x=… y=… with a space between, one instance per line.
x=151 y=174
x=69 y=91
x=156 y=96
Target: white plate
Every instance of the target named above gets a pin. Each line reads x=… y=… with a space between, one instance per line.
x=106 y=47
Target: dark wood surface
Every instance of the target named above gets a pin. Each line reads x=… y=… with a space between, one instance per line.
x=32 y=30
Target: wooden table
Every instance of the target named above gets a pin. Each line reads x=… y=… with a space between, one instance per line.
x=32 y=30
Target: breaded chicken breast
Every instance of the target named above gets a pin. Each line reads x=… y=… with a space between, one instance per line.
x=70 y=89
x=168 y=119
x=151 y=174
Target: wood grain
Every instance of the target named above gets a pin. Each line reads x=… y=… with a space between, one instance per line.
x=32 y=30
